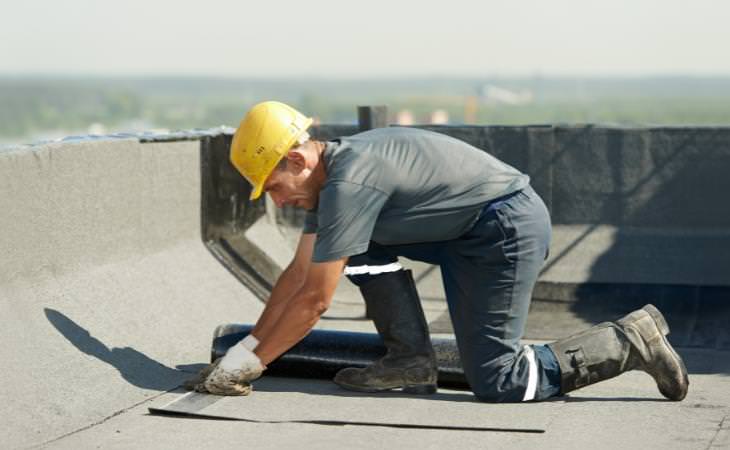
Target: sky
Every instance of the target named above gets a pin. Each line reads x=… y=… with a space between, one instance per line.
x=366 y=39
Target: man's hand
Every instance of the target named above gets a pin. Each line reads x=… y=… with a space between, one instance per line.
x=231 y=374
x=197 y=383
x=236 y=369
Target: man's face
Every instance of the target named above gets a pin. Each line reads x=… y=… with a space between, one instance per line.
x=288 y=186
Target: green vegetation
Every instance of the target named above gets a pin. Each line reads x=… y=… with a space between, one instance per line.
x=31 y=107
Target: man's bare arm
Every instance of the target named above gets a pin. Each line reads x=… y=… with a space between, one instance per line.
x=302 y=311
x=288 y=283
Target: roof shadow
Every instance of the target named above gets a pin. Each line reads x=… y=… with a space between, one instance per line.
x=134 y=366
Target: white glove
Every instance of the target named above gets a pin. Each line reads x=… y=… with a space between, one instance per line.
x=239 y=366
x=250 y=342
x=240 y=359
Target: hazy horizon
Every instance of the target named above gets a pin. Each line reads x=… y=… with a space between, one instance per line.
x=357 y=78
x=381 y=40
x=46 y=107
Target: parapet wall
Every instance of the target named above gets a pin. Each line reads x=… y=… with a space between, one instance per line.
x=667 y=178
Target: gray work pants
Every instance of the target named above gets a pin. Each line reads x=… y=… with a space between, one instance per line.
x=488 y=275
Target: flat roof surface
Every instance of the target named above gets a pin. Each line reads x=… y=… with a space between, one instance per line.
x=625 y=412
x=109 y=299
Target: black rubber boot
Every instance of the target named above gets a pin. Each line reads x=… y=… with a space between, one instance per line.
x=410 y=364
x=635 y=342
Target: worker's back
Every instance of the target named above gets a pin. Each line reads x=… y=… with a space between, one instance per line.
x=403 y=185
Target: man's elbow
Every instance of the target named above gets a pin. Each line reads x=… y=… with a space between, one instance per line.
x=320 y=306
x=317 y=303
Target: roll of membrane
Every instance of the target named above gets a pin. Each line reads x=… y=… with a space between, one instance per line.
x=322 y=353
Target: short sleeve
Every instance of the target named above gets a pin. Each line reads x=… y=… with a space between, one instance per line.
x=346 y=217
x=310 y=222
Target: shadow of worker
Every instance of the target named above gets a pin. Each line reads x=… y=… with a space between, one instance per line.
x=135 y=367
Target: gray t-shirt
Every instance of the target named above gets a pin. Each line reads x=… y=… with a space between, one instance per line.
x=402 y=185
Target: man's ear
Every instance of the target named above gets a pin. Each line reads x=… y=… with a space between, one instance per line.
x=296 y=160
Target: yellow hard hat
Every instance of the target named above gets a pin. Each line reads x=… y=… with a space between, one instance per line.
x=263 y=138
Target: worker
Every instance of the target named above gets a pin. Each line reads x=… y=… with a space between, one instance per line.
x=390 y=192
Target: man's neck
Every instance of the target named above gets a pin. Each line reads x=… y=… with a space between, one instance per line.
x=319 y=172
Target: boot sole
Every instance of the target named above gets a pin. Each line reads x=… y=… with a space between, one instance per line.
x=427 y=389
x=418 y=389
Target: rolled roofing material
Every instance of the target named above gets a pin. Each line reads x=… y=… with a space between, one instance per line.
x=324 y=352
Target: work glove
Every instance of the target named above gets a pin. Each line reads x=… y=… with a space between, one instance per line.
x=193 y=383
x=231 y=374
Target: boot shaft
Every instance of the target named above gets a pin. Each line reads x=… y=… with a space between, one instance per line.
x=596 y=354
x=636 y=341
x=410 y=364
x=395 y=309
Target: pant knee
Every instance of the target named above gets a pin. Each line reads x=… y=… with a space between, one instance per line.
x=495 y=395
x=488 y=382
x=505 y=379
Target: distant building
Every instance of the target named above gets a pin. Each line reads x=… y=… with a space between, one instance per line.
x=404 y=117
x=492 y=94
x=471 y=108
x=439 y=117
x=96 y=128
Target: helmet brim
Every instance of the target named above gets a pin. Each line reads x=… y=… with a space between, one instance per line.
x=256 y=192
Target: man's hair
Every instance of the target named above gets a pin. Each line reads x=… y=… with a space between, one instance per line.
x=304 y=137
x=282 y=164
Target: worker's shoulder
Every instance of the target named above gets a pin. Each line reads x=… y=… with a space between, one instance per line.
x=396 y=132
x=386 y=140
